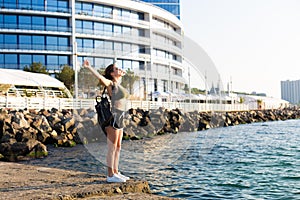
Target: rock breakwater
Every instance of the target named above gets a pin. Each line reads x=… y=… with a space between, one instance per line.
x=25 y=134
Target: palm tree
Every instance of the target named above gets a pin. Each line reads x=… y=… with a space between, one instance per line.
x=128 y=80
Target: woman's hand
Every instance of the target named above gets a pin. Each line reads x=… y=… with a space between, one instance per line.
x=86 y=63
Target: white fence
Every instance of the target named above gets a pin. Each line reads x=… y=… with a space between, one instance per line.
x=64 y=103
x=187 y=107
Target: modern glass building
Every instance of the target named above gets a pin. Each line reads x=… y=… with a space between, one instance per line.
x=290 y=91
x=172 y=6
x=142 y=37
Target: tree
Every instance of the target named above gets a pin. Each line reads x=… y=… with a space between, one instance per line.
x=67 y=76
x=186 y=88
x=128 y=80
x=36 y=68
x=197 y=91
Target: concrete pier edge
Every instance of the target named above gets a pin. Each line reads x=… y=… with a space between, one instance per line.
x=21 y=181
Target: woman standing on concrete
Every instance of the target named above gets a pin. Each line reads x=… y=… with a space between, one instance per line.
x=114 y=130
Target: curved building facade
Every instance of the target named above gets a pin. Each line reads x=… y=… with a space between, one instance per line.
x=172 y=6
x=141 y=37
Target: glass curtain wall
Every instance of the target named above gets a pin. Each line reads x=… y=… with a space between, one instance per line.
x=172 y=6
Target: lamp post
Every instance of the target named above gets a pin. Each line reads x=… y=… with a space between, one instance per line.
x=205 y=91
x=76 y=71
x=145 y=86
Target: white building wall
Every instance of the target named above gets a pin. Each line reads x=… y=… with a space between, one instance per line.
x=290 y=91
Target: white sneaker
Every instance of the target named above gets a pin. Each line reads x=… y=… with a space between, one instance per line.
x=126 y=178
x=115 y=179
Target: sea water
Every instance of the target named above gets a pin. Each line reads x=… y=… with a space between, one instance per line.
x=251 y=161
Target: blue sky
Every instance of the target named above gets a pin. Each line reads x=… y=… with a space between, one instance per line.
x=255 y=42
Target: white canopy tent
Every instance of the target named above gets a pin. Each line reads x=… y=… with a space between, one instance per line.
x=12 y=78
x=265 y=102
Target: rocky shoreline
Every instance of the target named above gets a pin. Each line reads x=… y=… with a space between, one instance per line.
x=25 y=134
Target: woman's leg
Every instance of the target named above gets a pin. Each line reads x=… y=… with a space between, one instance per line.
x=112 y=142
x=118 y=150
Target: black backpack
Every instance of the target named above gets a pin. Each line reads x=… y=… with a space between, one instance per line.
x=103 y=108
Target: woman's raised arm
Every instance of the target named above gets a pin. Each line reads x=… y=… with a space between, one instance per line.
x=102 y=79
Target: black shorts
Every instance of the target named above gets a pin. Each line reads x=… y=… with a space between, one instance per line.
x=117 y=122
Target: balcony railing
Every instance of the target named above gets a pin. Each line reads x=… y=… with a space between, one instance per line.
x=38 y=7
x=116 y=36
x=4 y=47
x=107 y=15
x=35 y=27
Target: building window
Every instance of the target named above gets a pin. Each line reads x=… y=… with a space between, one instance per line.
x=39 y=59
x=63 y=60
x=117 y=46
x=87 y=8
x=52 y=62
x=2 y=60
x=56 y=62
x=135 y=65
x=63 y=43
x=87 y=45
x=165 y=85
x=126 y=48
x=51 y=43
x=62 y=24
x=25 y=60
x=24 y=4
x=78 y=7
x=98 y=11
x=93 y=9
x=19 y=61
x=108 y=45
x=34 y=42
x=51 y=24
x=10 y=21
x=79 y=44
x=108 y=29
x=57 y=43
x=78 y=25
x=62 y=5
x=117 y=29
x=38 y=42
x=10 y=4
x=99 y=62
x=58 y=5
x=107 y=11
x=31 y=4
x=11 y=61
x=1 y=41
x=24 y=22
x=98 y=28
x=99 y=45
x=127 y=30
x=57 y=24
x=34 y=23
x=38 y=23
x=87 y=26
x=126 y=64
x=10 y=41
x=25 y=41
